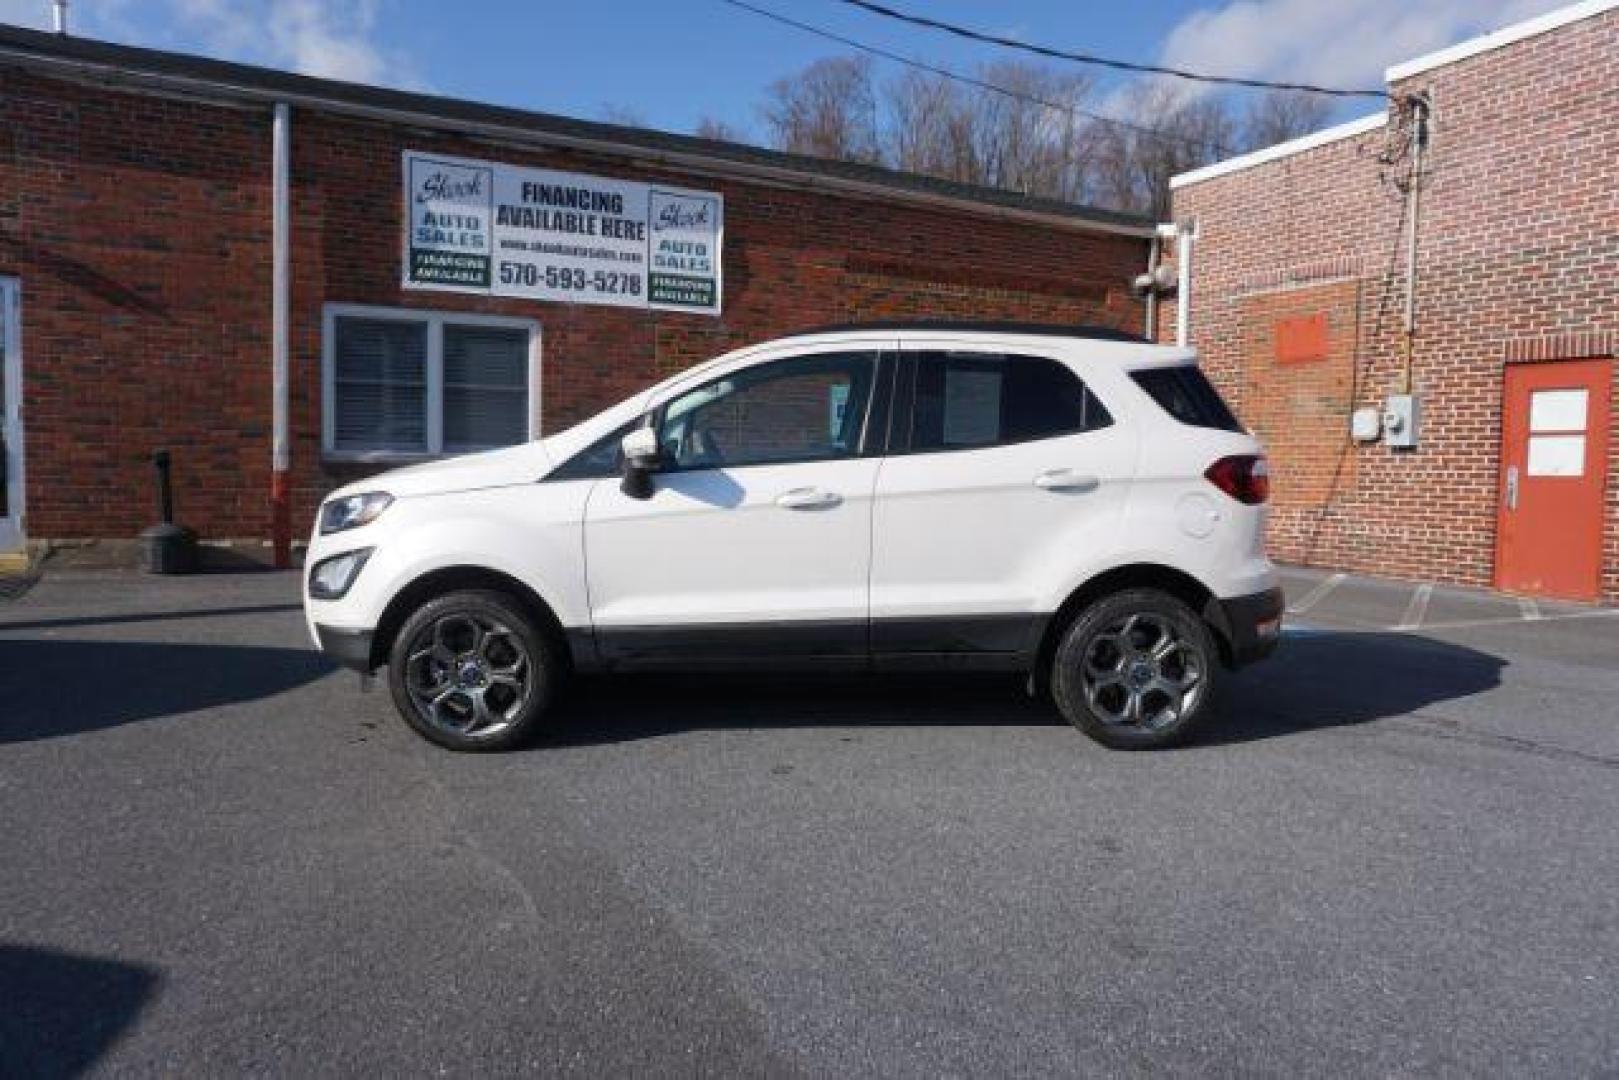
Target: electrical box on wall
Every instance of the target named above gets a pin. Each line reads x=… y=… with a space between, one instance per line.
x=1366 y=425
x=1402 y=415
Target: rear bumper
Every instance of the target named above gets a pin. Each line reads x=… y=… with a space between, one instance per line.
x=1251 y=625
x=351 y=648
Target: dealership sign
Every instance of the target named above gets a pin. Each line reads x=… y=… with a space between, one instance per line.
x=499 y=230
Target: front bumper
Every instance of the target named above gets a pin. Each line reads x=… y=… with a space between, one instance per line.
x=1251 y=625
x=350 y=648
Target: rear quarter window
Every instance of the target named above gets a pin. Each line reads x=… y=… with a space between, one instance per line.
x=1186 y=394
x=970 y=400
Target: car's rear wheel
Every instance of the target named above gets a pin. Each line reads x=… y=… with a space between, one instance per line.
x=472 y=671
x=1135 y=670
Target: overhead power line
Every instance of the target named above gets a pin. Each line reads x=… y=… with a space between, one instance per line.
x=1018 y=95
x=1102 y=61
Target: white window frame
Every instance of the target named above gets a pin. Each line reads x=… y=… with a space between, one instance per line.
x=434 y=320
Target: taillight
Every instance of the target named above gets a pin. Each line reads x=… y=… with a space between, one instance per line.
x=1244 y=477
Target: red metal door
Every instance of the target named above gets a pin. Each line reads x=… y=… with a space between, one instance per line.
x=1554 y=454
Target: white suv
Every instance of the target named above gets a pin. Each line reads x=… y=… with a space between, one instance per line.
x=1077 y=505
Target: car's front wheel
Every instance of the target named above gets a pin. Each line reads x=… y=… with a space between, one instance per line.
x=1135 y=670
x=471 y=671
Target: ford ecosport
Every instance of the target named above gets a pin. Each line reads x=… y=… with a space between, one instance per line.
x=1080 y=506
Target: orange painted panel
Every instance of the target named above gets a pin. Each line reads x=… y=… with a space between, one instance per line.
x=1554 y=453
x=1301 y=338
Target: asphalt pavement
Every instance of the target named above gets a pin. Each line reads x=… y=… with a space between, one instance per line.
x=1394 y=852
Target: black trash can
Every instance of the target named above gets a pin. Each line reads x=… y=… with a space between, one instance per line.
x=169 y=549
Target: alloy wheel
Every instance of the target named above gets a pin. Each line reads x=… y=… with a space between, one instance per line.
x=469 y=675
x=1142 y=672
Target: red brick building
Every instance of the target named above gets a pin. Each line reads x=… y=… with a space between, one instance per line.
x=138 y=270
x=1299 y=271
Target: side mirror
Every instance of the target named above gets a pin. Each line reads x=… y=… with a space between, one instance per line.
x=642 y=458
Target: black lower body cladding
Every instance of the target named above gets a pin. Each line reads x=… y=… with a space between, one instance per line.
x=1251 y=625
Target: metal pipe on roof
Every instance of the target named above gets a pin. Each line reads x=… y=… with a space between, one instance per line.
x=280 y=273
x=1185 y=236
x=1150 y=331
x=1418 y=105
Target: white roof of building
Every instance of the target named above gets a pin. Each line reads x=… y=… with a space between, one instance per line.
x=1281 y=150
x=1484 y=43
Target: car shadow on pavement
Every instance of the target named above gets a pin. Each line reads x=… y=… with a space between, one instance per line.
x=1316 y=680
x=605 y=709
x=62 y=687
x=64 y=1011
x=144 y=617
x=1327 y=679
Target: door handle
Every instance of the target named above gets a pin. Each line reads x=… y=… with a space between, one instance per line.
x=808 y=498
x=1066 y=480
x=1512 y=487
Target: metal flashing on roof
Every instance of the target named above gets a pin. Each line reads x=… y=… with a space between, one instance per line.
x=1281 y=150
x=153 y=69
x=1507 y=35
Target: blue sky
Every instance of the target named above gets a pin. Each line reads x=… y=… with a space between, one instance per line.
x=670 y=64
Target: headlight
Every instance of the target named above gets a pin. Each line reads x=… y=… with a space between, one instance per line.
x=353 y=511
x=330 y=579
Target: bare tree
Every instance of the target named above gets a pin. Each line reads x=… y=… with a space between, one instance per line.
x=1030 y=134
x=827 y=110
x=622 y=115
x=1280 y=115
x=923 y=118
x=1027 y=139
x=710 y=127
x=1169 y=133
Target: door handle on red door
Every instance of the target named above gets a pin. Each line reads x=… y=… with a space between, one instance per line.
x=808 y=498
x=1066 y=480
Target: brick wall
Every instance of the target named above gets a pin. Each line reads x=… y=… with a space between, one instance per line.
x=140 y=227
x=1519 y=261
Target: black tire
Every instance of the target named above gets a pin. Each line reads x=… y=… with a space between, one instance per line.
x=1139 y=645
x=439 y=654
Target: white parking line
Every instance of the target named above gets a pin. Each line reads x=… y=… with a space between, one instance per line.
x=1416 y=609
x=1296 y=629
x=1315 y=595
x=1464 y=624
x=1529 y=609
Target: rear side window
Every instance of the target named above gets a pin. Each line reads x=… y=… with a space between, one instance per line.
x=1186 y=394
x=966 y=400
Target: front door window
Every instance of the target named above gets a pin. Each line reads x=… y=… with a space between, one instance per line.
x=810 y=408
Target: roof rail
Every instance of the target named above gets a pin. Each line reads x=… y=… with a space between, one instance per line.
x=1073 y=330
